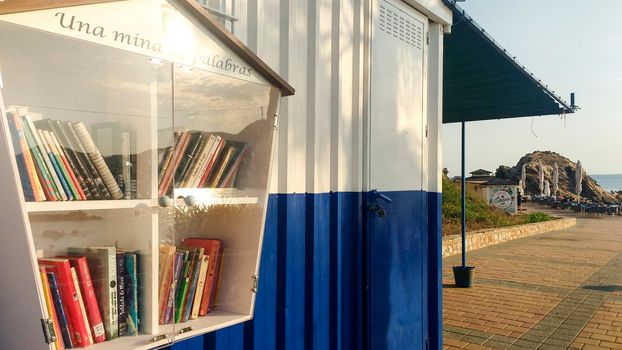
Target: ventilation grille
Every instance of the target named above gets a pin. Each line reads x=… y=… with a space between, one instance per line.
x=401 y=26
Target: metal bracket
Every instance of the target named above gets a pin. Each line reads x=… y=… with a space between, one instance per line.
x=157 y=338
x=276 y=121
x=255 y=283
x=185 y=330
x=48 y=330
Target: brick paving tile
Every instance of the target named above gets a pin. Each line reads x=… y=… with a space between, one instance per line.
x=558 y=290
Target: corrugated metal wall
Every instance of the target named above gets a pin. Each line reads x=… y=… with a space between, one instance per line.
x=311 y=276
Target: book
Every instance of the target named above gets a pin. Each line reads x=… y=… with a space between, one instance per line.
x=194 y=148
x=212 y=160
x=194 y=163
x=79 y=329
x=84 y=176
x=93 y=152
x=107 y=137
x=42 y=161
x=194 y=279
x=131 y=288
x=126 y=163
x=78 y=185
x=177 y=156
x=60 y=310
x=33 y=191
x=74 y=277
x=49 y=303
x=232 y=168
x=166 y=261
x=122 y=311
x=199 y=162
x=228 y=155
x=60 y=192
x=102 y=263
x=167 y=313
x=212 y=248
x=64 y=173
x=80 y=264
x=65 y=192
x=167 y=156
x=76 y=144
x=200 y=287
x=182 y=286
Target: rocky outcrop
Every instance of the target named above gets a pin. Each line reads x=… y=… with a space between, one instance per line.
x=591 y=189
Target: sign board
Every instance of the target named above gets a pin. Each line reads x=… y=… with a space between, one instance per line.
x=503 y=197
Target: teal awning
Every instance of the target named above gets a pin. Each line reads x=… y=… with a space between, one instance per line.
x=482 y=81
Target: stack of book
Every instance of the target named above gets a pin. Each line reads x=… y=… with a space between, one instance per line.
x=189 y=277
x=91 y=295
x=58 y=161
x=197 y=159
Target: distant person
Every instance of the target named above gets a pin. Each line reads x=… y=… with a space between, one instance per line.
x=519 y=201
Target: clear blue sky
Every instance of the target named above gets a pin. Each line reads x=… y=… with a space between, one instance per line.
x=573 y=46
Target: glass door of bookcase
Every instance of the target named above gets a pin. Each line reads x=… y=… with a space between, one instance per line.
x=87 y=124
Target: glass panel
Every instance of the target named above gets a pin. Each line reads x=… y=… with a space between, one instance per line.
x=87 y=122
x=224 y=131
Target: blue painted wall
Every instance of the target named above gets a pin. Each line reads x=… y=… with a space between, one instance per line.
x=311 y=293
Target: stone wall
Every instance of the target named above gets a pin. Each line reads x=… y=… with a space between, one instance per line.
x=484 y=238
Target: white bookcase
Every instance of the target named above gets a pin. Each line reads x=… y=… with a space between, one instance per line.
x=145 y=78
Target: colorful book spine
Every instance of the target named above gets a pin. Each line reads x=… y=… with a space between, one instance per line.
x=57 y=168
x=122 y=312
x=85 y=319
x=102 y=263
x=60 y=311
x=189 y=157
x=167 y=157
x=98 y=160
x=75 y=183
x=44 y=175
x=196 y=304
x=194 y=279
x=80 y=264
x=213 y=160
x=63 y=174
x=170 y=296
x=232 y=170
x=166 y=271
x=60 y=192
x=28 y=175
x=202 y=162
x=132 y=293
x=49 y=303
x=62 y=269
x=182 y=290
x=126 y=164
x=86 y=159
x=178 y=153
x=84 y=176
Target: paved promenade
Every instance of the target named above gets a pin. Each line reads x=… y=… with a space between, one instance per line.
x=555 y=290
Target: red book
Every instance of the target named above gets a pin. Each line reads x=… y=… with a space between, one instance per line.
x=212 y=160
x=69 y=295
x=88 y=294
x=213 y=248
x=60 y=345
x=178 y=155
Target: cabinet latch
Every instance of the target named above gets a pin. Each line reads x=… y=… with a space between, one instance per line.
x=276 y=121
x=157 y=338
x=255 y=283
x=185 y=330
x=48 y=330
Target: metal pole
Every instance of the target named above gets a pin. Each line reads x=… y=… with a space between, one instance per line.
x=463 y=195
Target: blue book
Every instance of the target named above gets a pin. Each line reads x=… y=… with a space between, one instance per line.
x=60 y=311
x=131 y=292
x=29 y=195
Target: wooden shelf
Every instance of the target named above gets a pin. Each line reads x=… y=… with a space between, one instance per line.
x=34 y=207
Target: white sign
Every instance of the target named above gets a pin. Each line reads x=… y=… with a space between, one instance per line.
x=501 y=199
x=149 y=27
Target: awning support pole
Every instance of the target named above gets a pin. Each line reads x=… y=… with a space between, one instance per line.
x=463 y=195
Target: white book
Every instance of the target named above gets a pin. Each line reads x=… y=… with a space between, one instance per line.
x=210 y=155
x=195 y=176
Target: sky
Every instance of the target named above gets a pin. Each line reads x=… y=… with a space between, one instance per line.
x=571 y=45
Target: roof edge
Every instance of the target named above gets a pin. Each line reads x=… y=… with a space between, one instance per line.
x=566 y=108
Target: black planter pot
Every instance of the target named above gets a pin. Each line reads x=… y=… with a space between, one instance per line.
x=464 y=276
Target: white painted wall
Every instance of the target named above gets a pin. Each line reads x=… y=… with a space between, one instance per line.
x=321 y=48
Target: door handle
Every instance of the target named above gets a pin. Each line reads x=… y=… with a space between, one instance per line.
x=377 y=195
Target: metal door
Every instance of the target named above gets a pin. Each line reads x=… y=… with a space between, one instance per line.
x=395 y=205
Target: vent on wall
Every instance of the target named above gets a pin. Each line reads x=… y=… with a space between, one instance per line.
x=398 y=24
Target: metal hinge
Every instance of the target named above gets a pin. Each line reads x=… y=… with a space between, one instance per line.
x=427 y=130
x=48 y=330
x=427 y=38
x=255 y=283
x=276 y=121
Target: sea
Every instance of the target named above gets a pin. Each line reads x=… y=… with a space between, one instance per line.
x=610 y=182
